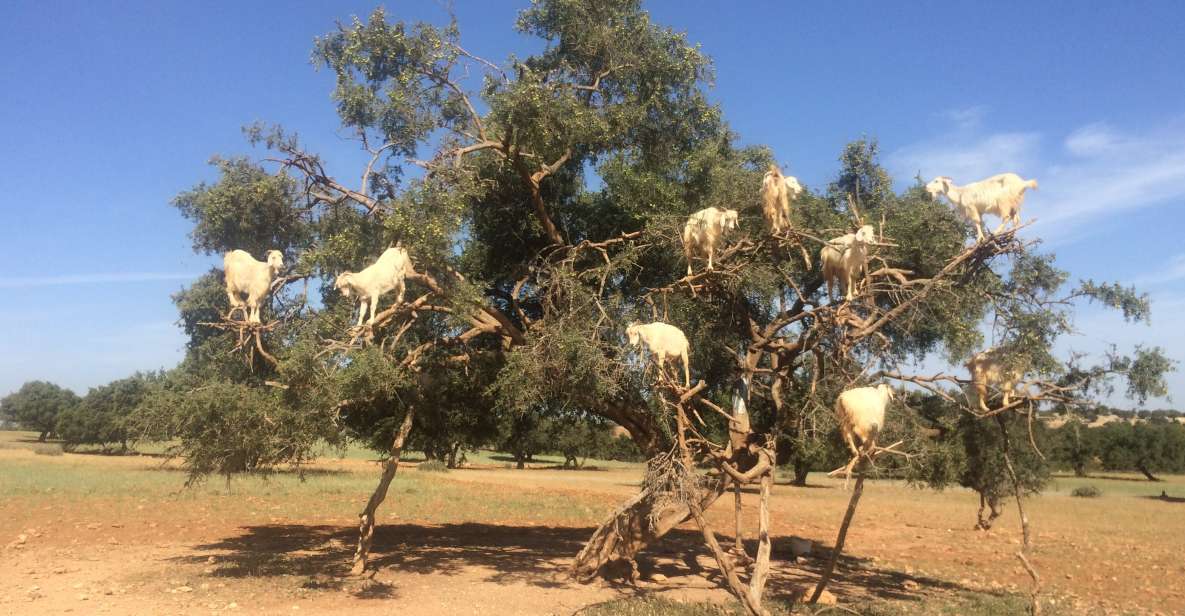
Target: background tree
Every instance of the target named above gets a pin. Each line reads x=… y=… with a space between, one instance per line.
x=1075 y=446
x=101 y=417
x=1152 y=446
x=37 y=405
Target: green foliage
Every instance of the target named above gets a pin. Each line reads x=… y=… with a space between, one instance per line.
x=227 y=428
x=247 y=208
x=101 y=417
x=1154 y=446
x=515 y=228
x=1086 y=492
x=958 y=448
x=37 y=405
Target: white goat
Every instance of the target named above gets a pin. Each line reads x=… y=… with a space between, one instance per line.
x=370 y=284
x=1000 y=195
x=989 y=368
x=664 y=341
x=703 y=231
x=861 y=415
x=845 y=258
x=777 y=191
x=245 y=275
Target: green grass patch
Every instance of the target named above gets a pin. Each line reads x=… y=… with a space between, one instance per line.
x=419 y=496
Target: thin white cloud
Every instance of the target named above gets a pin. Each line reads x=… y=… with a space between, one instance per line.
x=77 y=279
x=1092 y=140
x=968 y=158
x=1172 y=272
x=965 y=118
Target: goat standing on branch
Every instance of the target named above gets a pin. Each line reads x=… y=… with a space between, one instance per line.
x=387 y=274
x=777 y=191
x=703 y=231
x=845 y=258
x=245 y=275
x=1000 y=195
x=989 y=368
x=664 y=341
x=861 y=414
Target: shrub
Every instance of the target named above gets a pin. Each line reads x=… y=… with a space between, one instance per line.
x=433 y=466
x=47 y=449
x=1086 y=492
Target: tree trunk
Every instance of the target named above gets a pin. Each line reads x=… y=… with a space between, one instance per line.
x=366 y=518
x=1080 y=469
x=44 y=435
x=1026 y=530
x=1143 y=468
x=991 y=505
x=628 y=531
x=520 y=461
x=452 y=455
x=843 y=535
x=801 y=470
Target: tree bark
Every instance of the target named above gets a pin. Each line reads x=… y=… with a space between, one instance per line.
x=801 y=470
x=1026 y=531
x=452 y=455
x=627 y=531
x=366 y=518
x=1143 y=468
x=990 y=504
x=843 y=535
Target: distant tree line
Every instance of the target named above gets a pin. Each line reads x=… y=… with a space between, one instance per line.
x=113 y=417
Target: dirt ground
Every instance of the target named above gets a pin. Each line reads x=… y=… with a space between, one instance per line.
x=119 y=535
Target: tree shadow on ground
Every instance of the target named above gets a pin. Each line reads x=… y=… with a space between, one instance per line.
x=535 y=555
x=1165 y=498
x=1103 y=477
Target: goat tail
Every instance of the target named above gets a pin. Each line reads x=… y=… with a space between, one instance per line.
x=1032 y=184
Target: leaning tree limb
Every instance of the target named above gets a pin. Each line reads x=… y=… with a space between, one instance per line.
x=843 y=535
x=366 y=518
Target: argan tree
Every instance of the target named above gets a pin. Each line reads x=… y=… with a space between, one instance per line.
x=37 y=406
x=542 y=209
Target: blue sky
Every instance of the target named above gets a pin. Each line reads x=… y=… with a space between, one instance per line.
x=111 y=109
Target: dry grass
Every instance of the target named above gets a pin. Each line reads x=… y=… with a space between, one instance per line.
x=1109 y=553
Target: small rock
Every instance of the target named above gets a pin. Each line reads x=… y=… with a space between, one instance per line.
x=658 y=577
x=184 y=589
x=827 y=598
x=93 y=526
x=77 y=585
x=232 y=606
x=21 y=538
x=83 y=597
x=911 y=585
x=59 y=570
